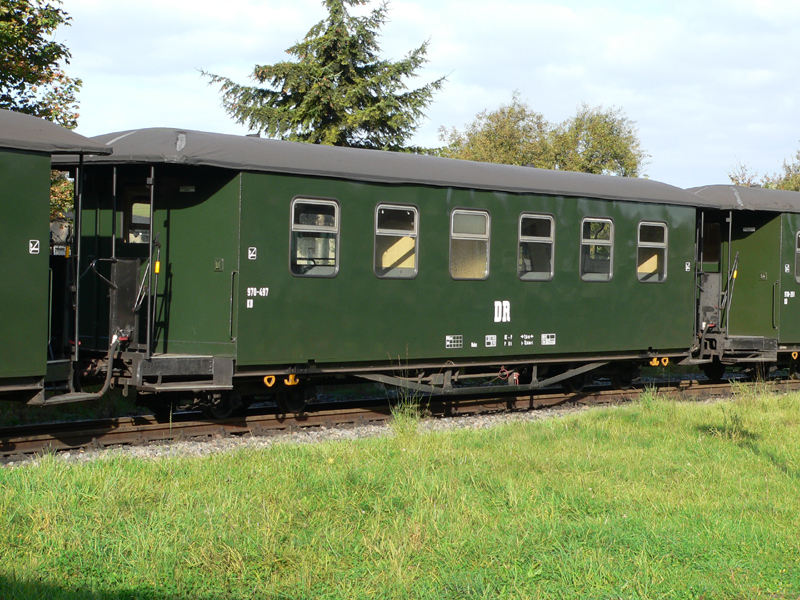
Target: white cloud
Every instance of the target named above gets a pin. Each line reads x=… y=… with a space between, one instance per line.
x=706 y=80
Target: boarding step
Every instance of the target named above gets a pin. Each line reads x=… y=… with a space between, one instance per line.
x=741 y=343
x=184 y=386
x=750 y=349
x=181 y=372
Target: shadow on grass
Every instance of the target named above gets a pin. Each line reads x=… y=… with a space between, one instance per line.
x=728 y=431
x=735 y=432
x=15 y=589
x=732 y=428
x=12 y=588
x=776 y=460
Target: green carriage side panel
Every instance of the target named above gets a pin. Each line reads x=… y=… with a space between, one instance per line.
x=196 y=221
x=790 y=275
x=356 y=316
x=24 y=281
x=756 y=295
x=197 y=217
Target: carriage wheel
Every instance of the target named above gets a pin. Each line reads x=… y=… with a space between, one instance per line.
x=714 y=370
x=222 y=406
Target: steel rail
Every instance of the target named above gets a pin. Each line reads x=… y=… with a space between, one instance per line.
x=19 y=441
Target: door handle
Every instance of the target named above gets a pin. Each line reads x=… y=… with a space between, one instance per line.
x=233 y=304
x=775 y=292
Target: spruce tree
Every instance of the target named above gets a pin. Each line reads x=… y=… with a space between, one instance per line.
x=339 y=91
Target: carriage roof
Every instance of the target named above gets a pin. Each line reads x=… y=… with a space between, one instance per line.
x=734 y=197
x=247 y=153
x=19 y=131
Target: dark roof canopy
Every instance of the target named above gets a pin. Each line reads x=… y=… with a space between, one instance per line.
x=734 y=197
x=24 y=132
x=244 y=153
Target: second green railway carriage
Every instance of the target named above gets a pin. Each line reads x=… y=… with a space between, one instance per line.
x=27 y=353
x=230 y=266
x=749 y=299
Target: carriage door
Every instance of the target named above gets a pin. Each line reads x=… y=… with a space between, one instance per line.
x=755 y=299
x=710 y=275
x=789 y=300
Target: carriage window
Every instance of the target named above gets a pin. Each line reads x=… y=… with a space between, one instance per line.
x=712 y=247
x=396 y=229
x=651 y=263
x=597 y=249
x=139 y=223
x=797 y=258
x=469 y=244
x=315 y=237
x=536 y=238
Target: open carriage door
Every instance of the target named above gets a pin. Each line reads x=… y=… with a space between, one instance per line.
x=131 y=303
x=753 y=320
x=739 y=286
x=709 y=274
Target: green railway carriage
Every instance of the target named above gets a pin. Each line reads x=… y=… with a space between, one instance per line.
x=26 y=147
x=749 y=298
x=236 y=266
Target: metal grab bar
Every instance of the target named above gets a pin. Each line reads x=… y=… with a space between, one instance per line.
x=83 y=396
x=233 y=294
x=775 y=304
x=93 y=267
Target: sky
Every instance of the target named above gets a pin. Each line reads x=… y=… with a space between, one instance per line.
x=709 y=83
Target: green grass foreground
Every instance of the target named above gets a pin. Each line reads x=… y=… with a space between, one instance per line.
x=653 y=500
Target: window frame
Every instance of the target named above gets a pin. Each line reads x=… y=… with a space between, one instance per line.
x=396 y=233
x=663 y=245
x=295 y=228
x=134 y=195
x=597 y=242
x=533 y=239
x=487 y=237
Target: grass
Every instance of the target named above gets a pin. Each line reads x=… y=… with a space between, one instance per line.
x=653 y=500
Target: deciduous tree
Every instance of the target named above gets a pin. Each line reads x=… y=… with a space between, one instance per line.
x=514 y=134
x=741 y=175
x=339 y=91
x=600 y=141
x=595 y=140
x=786 y=179
x=789 y=177
x=32 y=78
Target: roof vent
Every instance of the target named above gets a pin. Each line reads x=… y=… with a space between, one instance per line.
x=258 y=135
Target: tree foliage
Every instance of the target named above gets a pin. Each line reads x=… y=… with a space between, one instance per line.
x=513 y=134
x=741 y=175
x=788 y=178
x=32 y=79
x=339 y=91
x=599 y=141
x=595 y=140
x=62 y=194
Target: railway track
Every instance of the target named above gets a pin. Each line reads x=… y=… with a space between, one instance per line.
x=19 y=442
